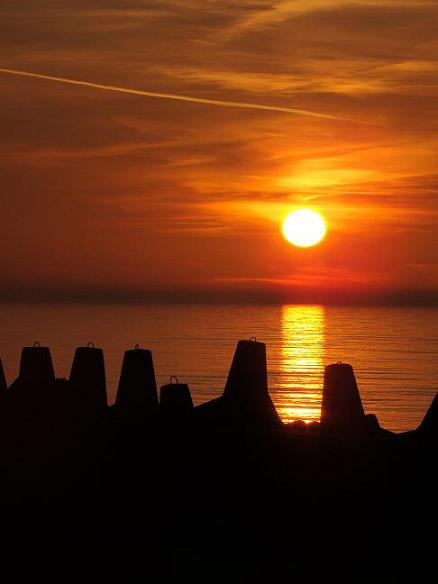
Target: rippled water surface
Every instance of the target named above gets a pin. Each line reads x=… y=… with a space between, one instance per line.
x=393 y=350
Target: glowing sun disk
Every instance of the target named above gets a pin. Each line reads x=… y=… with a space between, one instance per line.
x=304 y=228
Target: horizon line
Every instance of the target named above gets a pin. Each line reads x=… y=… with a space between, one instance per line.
x=95 y=300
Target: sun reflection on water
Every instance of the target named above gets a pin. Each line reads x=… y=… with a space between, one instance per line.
x=302 y=363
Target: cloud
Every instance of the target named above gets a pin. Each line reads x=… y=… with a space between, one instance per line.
x=172 y=96
x=117 y=194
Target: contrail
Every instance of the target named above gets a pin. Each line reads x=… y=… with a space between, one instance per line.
x=217 y=102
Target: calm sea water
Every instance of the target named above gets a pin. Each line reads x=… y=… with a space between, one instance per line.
x=393 y=350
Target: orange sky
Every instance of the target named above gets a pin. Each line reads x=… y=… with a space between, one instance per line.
x=111 y=195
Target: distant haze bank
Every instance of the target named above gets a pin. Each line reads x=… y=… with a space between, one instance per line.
x=255 y=295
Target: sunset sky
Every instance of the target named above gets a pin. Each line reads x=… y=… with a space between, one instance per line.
x=109 y=195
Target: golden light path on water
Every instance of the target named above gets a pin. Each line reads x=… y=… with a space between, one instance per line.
x=299 y=388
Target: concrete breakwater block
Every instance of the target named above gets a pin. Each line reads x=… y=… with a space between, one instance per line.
x=3 y=384
x=87 y=377
x=36 y=367
x=342 y=407
x=246 y=396
x=137 y=390
x=175 y=397
x=429 y=423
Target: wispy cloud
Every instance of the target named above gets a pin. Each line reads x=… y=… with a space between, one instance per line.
x=173 y=96
x=187 y=176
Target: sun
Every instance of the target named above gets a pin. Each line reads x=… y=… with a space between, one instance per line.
x=304 y=228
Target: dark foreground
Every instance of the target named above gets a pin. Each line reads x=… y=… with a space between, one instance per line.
x=220 y=492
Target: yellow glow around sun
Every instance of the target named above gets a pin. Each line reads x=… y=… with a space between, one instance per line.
x=304 y=228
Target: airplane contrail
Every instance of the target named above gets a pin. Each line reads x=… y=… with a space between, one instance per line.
x=175 y=96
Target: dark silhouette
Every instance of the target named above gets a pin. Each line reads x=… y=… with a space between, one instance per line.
x=246 y=391
x=175 y=398
x=36 y=367
x=246 y=402
x=137 y=391
x=224 y=487
x=87 y=378
x=429 y=424
x=3 y=383
x=341 y=403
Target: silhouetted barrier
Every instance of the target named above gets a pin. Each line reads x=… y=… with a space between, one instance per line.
x=137 y=390
x=246 y=391
x=175 y=397
x=248 y=376
x=342 y=407
x=36 y=367
x=3 y=384
x=429 y=424
x=221 y=480
x=87 y=377
x=246 y=403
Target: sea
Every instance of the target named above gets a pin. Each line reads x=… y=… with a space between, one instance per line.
x=393 y=350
